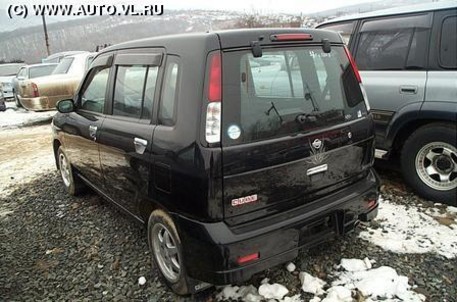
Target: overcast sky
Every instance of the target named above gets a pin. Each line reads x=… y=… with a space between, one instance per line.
x=266 y=6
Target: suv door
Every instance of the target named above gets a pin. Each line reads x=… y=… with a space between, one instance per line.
x=83 y=125
x=126 y=135
x=391 y=55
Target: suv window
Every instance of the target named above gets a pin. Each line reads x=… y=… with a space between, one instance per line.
x=448 y=43
x=287 y=91
x=344 y=29
x=393 y=44
x=167 y=106
x=128 y=90
x=93 y=97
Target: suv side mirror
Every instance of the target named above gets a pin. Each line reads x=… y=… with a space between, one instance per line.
x=65 y=106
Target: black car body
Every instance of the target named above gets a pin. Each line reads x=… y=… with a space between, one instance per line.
x=251 y=144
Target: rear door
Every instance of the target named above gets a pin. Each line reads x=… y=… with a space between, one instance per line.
x=126 y=135
x=295 y=128
x=391 y=56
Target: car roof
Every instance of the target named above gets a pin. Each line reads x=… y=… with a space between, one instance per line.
x=397 y=11
x=227 y=38
x=64 y=54
x=41 y=64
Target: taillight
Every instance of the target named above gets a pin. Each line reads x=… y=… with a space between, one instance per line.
x=353 y=65
x=213 y=110
x=357 y=76
x=215 y=78
x=35 y=90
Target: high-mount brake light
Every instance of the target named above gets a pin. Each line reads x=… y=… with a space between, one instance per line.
x=214 y=107
x=291 y=37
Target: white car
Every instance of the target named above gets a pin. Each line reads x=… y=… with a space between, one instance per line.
x=7 y=73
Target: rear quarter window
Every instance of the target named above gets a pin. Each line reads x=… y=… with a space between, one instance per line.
x=448 y=43
x=287 y=91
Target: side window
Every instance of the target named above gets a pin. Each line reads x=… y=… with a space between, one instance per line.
x=169 y=92
x=93 y=97
x=149 y=91
x=448 y=43
x=22 y=73
x=128 y=90
x=344 y=29
x=393 y=43
x=134 y=91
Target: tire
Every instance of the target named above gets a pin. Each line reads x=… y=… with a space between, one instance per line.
x=16 y=100
x=71 y=182
x=166 y=250
x=429 y=162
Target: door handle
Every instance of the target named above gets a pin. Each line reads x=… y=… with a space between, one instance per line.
x=93 y=132
x=408 y=89
x=140 y=145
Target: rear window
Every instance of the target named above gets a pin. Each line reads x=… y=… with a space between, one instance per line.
x=40 y=71
x=287 y=91
x=63 y=66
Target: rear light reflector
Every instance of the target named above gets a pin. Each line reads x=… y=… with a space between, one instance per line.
x=35 y=90
x=291 y=37
x=215 y=78
x=213 y=122
x=353 y=65
x=248 y=258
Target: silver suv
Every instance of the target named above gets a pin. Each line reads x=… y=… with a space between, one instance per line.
x=408 y=61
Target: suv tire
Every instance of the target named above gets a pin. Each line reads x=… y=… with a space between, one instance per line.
x=166 y=250
x=72 y=183
x=429 y=162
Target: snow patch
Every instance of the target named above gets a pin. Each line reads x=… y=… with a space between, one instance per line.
x=13 y=118
x=141 y=281
x=354 y=265
x=312 y=285
x=413 y=230
x=382 y=282
x=273 y=291
x=291 y=267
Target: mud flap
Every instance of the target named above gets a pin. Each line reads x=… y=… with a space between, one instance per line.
x=344 y=222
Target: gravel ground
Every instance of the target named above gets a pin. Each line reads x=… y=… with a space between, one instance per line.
x=55 y=247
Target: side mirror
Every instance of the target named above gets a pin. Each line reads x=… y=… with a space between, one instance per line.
x=65 y=106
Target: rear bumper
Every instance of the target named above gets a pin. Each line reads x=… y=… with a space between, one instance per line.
x=211 y=250
x=36 y=104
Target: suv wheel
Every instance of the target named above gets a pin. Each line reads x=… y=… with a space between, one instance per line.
x=429 y=162
x=72 y=183
x=166 y=251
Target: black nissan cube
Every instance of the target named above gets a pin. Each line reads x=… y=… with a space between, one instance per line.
x=235 y=148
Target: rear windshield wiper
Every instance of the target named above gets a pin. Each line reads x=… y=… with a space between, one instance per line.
x=273 y=107
x=313 y=117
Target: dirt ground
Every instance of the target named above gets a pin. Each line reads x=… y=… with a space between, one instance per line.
x=24 y=152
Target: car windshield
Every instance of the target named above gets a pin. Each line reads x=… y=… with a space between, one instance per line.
x=9 y=70
x=64 y=66
x=41 y=71
x=287 y=91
